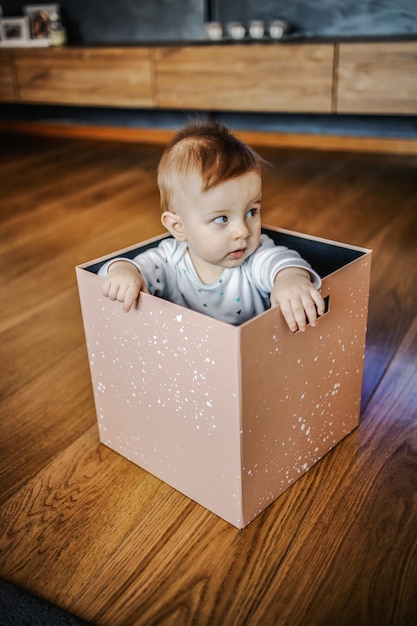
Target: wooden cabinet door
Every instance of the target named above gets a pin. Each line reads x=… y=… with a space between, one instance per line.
x=7 y=83
x=86 y=76
x=253 y=77
x=377 y=78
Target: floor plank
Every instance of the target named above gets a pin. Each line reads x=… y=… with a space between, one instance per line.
x=67 y=517
x=42 y=418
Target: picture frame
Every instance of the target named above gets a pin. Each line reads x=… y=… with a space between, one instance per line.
x=41 y=17
x=14 y=30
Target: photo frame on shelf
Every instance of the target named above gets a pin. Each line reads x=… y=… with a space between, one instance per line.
x=14 y=30
x=41 y=18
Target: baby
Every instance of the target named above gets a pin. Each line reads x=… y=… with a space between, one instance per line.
x=217 y=262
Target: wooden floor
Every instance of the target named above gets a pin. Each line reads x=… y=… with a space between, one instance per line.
x=96 y=535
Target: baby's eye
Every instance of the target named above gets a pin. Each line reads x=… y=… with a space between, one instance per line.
x=252 y=212
x=222 y=219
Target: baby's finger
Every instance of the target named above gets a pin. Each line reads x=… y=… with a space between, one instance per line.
x=319 y=302
x=105 y=287
x=310 y=311
x=290 y=314
x=113 y=291
x=300 y=315
x=130 y=298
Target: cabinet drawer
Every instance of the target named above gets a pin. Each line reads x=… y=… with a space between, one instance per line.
x=246 y=77
x=86 y=76
x=377 y=78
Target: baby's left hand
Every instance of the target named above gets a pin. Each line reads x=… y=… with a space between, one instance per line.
x=297 y=298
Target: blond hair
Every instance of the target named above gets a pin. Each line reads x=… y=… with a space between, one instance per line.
x=208 y=149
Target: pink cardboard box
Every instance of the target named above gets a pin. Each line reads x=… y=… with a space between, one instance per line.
x=229 y=415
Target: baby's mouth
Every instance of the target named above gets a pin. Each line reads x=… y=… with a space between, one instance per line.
x=237 y=254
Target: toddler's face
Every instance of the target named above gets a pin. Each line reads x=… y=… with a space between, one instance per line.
x=222 y=226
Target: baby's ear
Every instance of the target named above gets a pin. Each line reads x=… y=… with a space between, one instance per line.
x=173 y=224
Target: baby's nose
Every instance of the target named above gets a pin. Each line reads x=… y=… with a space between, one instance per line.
x=241 y=230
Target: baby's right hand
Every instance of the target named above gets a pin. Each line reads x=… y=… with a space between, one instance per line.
x=123 y=283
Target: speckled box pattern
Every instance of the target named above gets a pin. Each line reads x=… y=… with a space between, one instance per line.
x=229 y=415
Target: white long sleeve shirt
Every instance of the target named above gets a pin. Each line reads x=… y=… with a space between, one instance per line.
x=239 y=294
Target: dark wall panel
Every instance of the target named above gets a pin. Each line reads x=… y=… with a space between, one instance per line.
x=126 y=21
x=129 y=21
x=329 y=18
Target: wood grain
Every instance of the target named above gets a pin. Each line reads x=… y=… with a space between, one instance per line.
x=8 y=85
x=85 y=76
x=245 y=78
x=377 y=78
x=100 y=537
